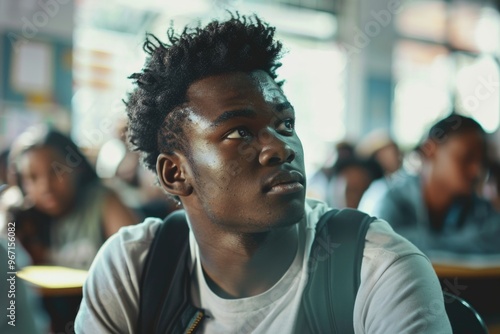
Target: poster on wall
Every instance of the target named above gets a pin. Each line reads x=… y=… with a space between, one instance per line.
x=32 y=68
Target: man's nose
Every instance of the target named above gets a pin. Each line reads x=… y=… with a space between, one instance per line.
x=275 y=151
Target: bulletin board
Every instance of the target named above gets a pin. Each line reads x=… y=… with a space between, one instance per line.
x=32 y=70
x=36 y=70
x=36 y=83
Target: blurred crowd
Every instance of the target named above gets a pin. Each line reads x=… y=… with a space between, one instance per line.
x=66 y=205
x=62 y=209
x=444 y=195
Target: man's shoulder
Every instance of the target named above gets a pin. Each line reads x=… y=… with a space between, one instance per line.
x=380 y=237
x=129 y=246
x=396 y=277
x=140 y=233
x=385 y=250
x=314 y=210
x=111 y=291
x=383 y=244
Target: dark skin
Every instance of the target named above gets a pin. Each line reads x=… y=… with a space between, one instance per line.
x=242 y=182
x=451 y=170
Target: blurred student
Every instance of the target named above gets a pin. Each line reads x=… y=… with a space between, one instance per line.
x=379 y=147
x=351 y=179
x=494 y=185
x=67 y=213
x=491 y=189
x=120 y=170
x=318 y=184
x=3 y=166
x=439 y=209
x=344 y=178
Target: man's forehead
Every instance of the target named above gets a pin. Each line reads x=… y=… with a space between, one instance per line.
x=214 y=95
x=234 y=84
x=271 y=92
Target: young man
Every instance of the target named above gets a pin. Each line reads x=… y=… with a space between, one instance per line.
x=215 y=126
x=438 y=210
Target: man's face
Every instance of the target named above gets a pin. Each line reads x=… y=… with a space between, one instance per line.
x=246 y=161
x=458 y=163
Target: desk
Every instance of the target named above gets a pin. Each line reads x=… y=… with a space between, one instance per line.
x=443 y=270
x=54 y=281
x=478 y=285
x=61 y=292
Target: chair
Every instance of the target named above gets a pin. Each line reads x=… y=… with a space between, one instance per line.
x=463 y=318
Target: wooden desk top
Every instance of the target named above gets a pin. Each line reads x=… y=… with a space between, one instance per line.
x=457 y=271
x=54 y=281
x=59 y=292
x=60 y=281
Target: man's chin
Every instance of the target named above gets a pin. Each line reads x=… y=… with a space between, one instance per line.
x=277 y=221
x=293 y=215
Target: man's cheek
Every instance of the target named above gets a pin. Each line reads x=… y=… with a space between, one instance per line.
x=206 y=159
x=234 y=168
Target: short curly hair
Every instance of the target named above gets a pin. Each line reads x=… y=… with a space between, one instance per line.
x=240 y=44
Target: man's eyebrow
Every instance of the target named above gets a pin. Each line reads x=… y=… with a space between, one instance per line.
x=227 y=115
x=283 y=106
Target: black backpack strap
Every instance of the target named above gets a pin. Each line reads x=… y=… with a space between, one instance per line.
x=335 y=271
x=166 y=277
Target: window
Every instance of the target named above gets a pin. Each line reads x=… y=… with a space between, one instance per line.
x=447 y=61
x=107 y=51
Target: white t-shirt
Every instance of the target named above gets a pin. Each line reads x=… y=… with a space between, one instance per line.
x=399 y=291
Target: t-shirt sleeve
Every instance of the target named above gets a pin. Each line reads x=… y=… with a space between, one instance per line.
x=406 y=298
x=110 y=301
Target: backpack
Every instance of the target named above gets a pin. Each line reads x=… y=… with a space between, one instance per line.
x=334 y=267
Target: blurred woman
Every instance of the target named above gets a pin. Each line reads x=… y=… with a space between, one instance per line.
x=67 y=213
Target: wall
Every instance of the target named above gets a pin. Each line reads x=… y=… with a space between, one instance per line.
x=36 y=42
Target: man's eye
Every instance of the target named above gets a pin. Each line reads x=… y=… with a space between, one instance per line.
x=286 y=126
x=239 y=133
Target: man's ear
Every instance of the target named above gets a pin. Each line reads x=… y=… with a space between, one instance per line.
x=171 y=174
x=429 y=148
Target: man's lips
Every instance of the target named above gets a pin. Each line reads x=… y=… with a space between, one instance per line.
x=284 y=182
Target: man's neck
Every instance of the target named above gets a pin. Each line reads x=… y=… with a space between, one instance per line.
x=244 y=265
